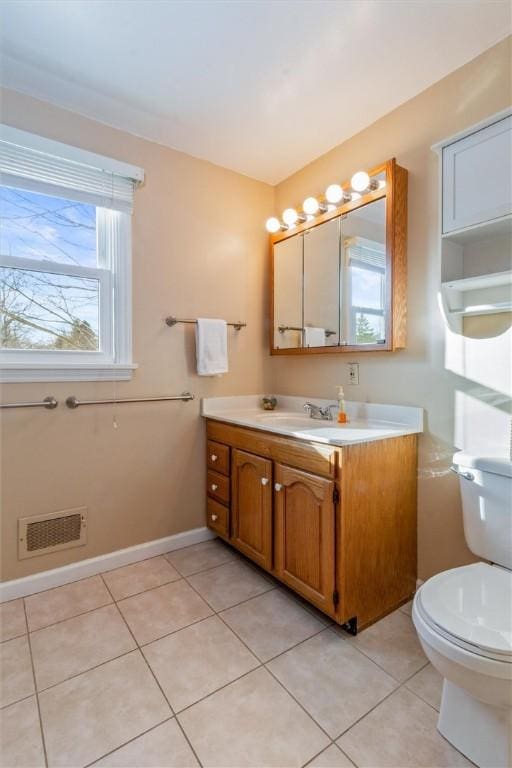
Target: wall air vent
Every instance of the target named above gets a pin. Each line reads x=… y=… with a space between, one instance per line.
x=42 y=534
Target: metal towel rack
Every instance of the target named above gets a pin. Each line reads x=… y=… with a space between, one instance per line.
x=283 y=328
x=74 y=402
x=49 y=403
x=171 y=320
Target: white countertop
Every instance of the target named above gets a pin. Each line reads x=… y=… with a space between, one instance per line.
x=366 y=421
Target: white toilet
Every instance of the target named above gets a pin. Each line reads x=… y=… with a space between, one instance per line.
x=464 y=619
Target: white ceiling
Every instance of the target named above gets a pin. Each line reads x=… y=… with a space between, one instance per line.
x=259 y=86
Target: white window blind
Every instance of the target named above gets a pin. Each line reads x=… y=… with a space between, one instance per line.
x=67 y=296
x=58 y=169
x=367 y=252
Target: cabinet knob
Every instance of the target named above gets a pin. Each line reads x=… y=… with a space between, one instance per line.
x=264 y=480
x=214 y=486
x=214 y=517
x=213 y=457
x=278 y=486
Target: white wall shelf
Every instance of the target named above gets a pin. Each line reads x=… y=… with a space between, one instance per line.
x=481 y=281
x=478 y=295
x=488 y=229
x=484 y=309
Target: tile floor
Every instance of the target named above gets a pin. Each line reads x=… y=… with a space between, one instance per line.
x=198 y=658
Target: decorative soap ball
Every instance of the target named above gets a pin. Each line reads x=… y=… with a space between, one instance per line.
x=269 y=403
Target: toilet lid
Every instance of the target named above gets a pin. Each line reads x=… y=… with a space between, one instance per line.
x=474 y=605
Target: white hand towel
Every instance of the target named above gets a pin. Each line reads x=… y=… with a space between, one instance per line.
x=314 y=337
x=211 y=347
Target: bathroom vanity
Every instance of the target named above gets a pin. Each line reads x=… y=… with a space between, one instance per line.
x=328 y=509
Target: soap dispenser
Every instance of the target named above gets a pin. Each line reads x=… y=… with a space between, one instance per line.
x=342 y=414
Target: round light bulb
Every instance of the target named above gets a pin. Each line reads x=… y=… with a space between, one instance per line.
x=290 y=216
x=360 y=181
x=334 y=193
x=310 y=205
x=273 y=225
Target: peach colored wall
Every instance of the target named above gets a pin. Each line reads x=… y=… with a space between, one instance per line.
x=199 y=248
x=454 y=397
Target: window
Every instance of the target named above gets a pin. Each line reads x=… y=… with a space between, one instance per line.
x=65 y=262
x=367 y=291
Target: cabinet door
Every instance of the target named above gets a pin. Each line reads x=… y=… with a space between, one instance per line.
x=251 y=510
x=477 y=184
x=304 y=539
x=322 y=285
x=288 y=313
x=365 y=315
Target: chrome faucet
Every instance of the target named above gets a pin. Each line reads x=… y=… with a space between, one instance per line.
x=319 y=412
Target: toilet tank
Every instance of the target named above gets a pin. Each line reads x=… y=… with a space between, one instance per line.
x=486 y=490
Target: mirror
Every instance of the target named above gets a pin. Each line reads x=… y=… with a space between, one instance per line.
x=339 y=278
x=321 y=286
x=330 y=282
x=288 y=293
x=363 y=275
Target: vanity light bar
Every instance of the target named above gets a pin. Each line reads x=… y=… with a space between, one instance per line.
x=334 y=195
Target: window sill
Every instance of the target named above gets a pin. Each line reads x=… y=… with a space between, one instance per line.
x=18 y=373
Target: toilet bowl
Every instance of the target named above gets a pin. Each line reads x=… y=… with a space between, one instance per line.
x=464 y=620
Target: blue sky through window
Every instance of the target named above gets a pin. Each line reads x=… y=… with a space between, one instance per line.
x=44 y=310
x=367 y=287
x=39 y=226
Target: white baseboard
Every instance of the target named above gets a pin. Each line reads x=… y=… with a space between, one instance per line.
x=38 y=582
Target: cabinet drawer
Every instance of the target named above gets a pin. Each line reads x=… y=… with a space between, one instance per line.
x=218 y=486
x=218 y=457
x=217 y=517
x=319 y=459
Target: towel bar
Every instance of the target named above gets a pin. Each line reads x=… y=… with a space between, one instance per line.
x=170 y=321
x=283 y=328
x=49 y=402
x=74 y=402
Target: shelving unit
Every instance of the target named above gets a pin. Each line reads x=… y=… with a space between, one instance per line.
x=476 y=221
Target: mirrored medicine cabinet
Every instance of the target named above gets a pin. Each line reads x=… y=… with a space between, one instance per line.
x=339 y=279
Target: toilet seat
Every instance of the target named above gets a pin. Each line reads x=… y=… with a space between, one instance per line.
x=471 y=607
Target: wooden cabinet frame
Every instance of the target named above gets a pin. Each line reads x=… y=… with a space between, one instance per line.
x=395 y=194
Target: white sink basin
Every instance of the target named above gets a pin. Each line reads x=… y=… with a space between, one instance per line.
x=325 y=431
x=284 y=420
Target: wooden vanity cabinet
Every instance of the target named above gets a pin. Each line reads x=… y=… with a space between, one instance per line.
x=336 y=525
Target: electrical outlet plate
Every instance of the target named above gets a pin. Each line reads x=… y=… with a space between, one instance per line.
x=353 y=373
